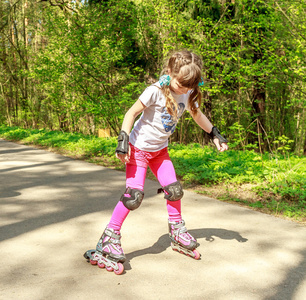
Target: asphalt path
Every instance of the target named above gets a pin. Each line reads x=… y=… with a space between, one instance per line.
x=54 y=208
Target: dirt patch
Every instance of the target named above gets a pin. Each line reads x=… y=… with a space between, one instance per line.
x=243 y=192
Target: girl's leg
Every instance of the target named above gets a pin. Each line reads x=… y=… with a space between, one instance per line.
x=165 y=173
x=135 y=178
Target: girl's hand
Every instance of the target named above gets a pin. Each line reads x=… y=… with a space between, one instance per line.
x=221 y=147
x=219 y=140
x=125 y=158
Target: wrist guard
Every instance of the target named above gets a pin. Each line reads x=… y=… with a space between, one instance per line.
x=123 y=143
x=215 y=133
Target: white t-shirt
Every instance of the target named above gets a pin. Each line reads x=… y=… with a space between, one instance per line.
x=152 y=130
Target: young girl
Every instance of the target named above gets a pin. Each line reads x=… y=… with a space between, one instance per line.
x=161 y=105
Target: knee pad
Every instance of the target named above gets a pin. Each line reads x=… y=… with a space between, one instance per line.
x=134 y=200
x=173 y=191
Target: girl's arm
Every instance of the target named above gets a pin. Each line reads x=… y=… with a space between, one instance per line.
x=130 y=116
x=127 y=125
x=202 y=121
x=206 y=125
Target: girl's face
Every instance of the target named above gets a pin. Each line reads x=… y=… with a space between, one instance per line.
x=177 y=88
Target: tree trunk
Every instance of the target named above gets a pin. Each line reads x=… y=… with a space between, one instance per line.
x=258 y=103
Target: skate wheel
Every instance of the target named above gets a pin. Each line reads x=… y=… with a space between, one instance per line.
x=101 y=265
x=109 y=269
x=120 y=269
x=197 y=254
x=93 y=262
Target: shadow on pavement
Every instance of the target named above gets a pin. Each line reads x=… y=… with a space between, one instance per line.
x=40 y=194
x=164 y=242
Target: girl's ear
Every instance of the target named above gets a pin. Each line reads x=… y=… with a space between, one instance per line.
x=169 y=71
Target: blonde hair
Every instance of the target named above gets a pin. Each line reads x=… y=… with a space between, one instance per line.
x=186 y=67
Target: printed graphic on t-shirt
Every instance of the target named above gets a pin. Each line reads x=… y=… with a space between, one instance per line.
x=168 y=121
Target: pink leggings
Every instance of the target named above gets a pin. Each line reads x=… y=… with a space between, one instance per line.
x=135 y=179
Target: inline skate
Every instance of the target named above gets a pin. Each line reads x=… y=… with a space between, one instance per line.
x=182 y=241
x=108 y=253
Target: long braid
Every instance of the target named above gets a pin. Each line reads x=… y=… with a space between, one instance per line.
x=171 y=104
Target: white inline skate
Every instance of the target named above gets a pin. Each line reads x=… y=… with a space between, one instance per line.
x=182 y=241
x=108 y=253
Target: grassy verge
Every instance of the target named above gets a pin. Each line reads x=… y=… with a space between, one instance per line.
x=273 y=184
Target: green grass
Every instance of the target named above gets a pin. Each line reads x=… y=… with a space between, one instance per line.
x=276 y=183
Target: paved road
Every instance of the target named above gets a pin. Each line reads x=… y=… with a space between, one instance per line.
x=53 y=208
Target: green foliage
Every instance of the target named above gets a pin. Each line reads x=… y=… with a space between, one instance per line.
x=283 y=144
x=86 y=67
x=75 y=144
x=205 y=165
x=285 y=177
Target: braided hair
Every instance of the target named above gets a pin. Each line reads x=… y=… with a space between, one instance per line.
x=186 y=67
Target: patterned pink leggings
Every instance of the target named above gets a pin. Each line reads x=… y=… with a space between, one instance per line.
x=162 y=167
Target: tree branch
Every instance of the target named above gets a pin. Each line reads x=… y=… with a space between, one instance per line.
x=62 y=4
x=290 y=21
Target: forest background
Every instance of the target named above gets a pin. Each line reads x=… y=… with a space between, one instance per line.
x=77 y=66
